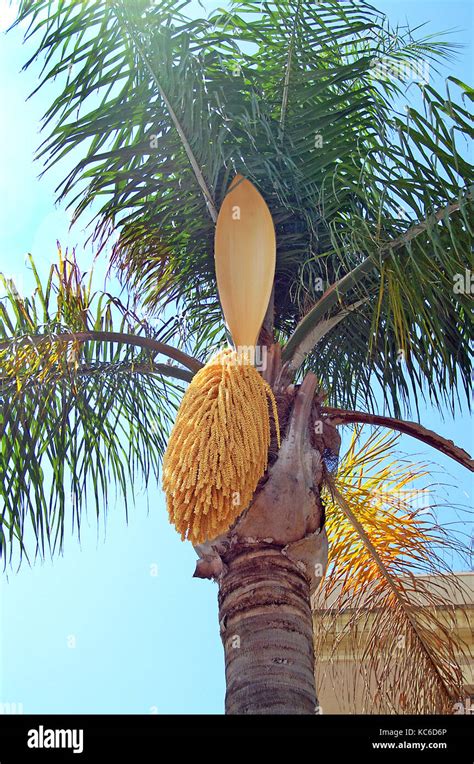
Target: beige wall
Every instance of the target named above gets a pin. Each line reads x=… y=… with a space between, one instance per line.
x=340 y=674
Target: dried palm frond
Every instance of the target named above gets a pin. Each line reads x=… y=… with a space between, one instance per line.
x=374 y=606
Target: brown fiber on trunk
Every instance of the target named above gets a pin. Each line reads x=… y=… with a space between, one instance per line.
x=266 y=629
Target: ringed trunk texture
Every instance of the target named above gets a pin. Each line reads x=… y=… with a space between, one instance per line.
x=267 y=632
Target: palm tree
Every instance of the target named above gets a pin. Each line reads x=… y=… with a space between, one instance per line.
x=372 y=208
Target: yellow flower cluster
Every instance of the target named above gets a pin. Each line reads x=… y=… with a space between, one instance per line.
x=218 y=448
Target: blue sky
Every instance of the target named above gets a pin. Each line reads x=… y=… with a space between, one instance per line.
x=118 y=624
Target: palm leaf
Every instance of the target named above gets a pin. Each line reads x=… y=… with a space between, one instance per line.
x=85 y=410
x=385 y=547
x=344 y=213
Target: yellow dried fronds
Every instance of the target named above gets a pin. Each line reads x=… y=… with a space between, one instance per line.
x=397 y=624
x=45 y=359
x=379 y=489
x=218 y=448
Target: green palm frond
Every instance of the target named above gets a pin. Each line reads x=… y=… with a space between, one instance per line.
x=85 y=410
x=385 y=546
x=164 y=109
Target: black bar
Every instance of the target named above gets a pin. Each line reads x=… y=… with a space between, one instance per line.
x=108 y=738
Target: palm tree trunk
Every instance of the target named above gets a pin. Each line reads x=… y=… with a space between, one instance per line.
x=268 y=565
x=266 y=629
